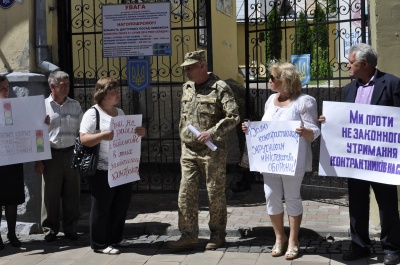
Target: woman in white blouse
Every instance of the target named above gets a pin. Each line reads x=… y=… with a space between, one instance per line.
x=288 y=104
x=109 y=205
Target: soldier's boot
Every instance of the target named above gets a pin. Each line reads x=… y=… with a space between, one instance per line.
x=215 y=243
x=183 y=243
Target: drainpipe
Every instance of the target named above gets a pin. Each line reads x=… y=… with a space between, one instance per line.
x=42 y=49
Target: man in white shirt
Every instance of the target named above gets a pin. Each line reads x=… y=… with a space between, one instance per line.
x=60 y=183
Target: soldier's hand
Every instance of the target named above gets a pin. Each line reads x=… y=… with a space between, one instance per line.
x=204 y=137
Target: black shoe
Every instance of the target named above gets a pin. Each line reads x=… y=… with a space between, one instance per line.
x=391 y=258
x=1 y=244
x=50 y=237
x=72 y=236
x=356 y=253
x=14 y=241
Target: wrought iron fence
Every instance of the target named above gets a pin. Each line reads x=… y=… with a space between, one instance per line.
x=325 y=29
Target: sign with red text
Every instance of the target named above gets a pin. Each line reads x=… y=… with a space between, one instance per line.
x=137 y=30
x=125 y=149
x=24 y=137
x=273 y=146
x=360 y=141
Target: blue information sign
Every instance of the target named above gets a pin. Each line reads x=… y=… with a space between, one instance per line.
x=6 y=3
x=302 y=63
x=138 y=73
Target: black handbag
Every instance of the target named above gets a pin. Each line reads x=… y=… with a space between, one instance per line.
x=85 y=158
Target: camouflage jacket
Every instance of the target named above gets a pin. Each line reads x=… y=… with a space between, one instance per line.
x=210 y=107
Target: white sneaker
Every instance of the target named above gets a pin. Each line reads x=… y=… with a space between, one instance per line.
x=108 y=250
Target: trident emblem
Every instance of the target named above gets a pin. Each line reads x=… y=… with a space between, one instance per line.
x=138 y=75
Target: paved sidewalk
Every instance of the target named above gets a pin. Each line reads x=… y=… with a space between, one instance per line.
x=152 y=222
x=152 y=250
x=157 y=213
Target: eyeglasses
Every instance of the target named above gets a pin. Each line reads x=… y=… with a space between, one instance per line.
x=272 y=78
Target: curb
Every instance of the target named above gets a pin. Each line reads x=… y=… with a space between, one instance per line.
x=151 y=228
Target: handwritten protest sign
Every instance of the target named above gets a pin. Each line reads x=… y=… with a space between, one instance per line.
x=273 y=146
x=124 y=155
x=360 y=141
x=24 y=136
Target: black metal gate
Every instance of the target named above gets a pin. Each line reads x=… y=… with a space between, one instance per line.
x=80 y=38
x=276 y=29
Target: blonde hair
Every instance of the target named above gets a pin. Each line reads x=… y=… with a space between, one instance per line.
x=103 y=85
x=287 y=73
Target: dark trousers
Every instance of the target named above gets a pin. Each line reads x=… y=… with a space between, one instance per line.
x=60 y=183
x=359 y=199
x=108 y=211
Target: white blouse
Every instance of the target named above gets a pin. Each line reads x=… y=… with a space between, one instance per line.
x=88 y=125
x=303 y=108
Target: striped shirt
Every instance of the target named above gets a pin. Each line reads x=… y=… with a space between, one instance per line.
x=64 y=122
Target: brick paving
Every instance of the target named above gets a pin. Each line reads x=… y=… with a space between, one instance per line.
x=152 y=222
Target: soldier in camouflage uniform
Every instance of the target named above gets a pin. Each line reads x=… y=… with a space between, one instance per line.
x=208 y=104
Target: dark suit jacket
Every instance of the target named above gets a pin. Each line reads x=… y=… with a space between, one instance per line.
x=386 y=90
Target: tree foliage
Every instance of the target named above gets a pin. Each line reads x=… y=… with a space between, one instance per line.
x=302 y=43
x=320 y=40
x=273 y=35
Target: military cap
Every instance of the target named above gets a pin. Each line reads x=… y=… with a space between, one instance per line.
x=194 y=57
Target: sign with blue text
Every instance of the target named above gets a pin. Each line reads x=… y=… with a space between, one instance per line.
x=360 y=141
x=302 y=63
x=138 y=73
x=273 y=146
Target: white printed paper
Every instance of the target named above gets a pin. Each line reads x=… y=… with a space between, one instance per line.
x=196 y=132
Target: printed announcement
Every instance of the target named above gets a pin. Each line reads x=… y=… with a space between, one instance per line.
x=273 y=146
x=360 y=141
x=125 y=149
x=24 y=136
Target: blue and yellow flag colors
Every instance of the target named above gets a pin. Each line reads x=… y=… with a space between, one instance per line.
x=302 y=63
x=138 y=73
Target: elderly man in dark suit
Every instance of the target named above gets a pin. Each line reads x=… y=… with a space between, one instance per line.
x=373 y=87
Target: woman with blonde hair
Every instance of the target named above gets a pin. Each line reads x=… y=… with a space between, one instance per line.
x=288 y=103
x=109 y=205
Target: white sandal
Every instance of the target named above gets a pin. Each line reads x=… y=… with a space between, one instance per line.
x=108 y=250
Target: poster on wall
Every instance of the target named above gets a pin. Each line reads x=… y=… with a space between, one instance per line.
x=24 y=136
x=225 y=7
x=350 y=31
x=137 y=30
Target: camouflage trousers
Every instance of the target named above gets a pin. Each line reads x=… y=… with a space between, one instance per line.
x=202 y=163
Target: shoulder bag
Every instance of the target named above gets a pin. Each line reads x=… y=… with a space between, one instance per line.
x=85 y=158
